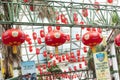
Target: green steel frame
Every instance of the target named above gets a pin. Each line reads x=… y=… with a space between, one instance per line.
x=101 y=18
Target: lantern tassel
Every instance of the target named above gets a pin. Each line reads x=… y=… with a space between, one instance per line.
x=93 y=49
x=11 y=69
x=56 y=49
x=14 y=49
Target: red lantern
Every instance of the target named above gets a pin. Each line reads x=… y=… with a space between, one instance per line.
x=13 y=37
x=49 y=28
x=34 y=35
x=92 y=38
x=44 y=66
x=56 y=56
x=25 y=1
x=83 y=58
x=57 y=16
x=82 y=23
x=68 y=37
x=67 y=56
x=51 y=55
x=63 y=57
x=88 y=29
x=117 y=40
x=80 y=66
x=85 y=49
x=79 y=59
x=27 y=38
x=75 y=18
x=62 y=18
x=42 y=34
x=75 y=68
x=30 y=48
x=85 y=12
x=55 y=38
x=37 y=51
x=32 y=8
x=30 y=42
x=59 y=59
x=110 y=1
x=70 y=69
x=77 y=37
x=72 y=55
x=39 y=68
x=97 y=6
x=78 y=52
x=45 y=54
x=57 y=27
x=39 y=40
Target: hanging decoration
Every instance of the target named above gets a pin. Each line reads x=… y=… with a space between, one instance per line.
x=117 y=40
x=14 y=38
x=110 y=1
x=85 y=12
x=92 y=38
x=55 y=38
x=77 y=37
x=34 y=34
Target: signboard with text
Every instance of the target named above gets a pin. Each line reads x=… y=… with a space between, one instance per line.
x=102 y=66
x=28 y=70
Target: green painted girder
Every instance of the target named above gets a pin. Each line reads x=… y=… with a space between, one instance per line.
x=20 y=14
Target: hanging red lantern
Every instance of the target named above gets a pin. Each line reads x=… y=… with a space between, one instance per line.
x=25 y=1
x=72 y=55
x=77 y=37
x=80 y=66
x=97 y=6
x=49 y=28
x=38 y=67
x=85 y=49
x=14 y=38
x=92 y=38
x=30 y=42
x=42 y=33
x=82 y=23
x=32 y=8
x=59 y=59
x=37 y=51
x=78 y=52
x=67 y=56
x=63 y=57
x=75 y=18
x=39 y=40
x=68 y=37
x=57 y=27
x=70 y=69
x=88 y=29
x=51 y=55
x=110 y=1
x=75 y=68
x=27 y=38
x=79 y=59
x=30 y=48
x=34 y=34
x=62 y=18
x=45 y=53
x=83 y=58
x=85 y=12
x=117 y=40
x=55 y=38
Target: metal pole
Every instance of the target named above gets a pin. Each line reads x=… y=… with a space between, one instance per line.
x=115 y=63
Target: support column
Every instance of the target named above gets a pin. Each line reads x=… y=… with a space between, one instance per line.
x=114 y=60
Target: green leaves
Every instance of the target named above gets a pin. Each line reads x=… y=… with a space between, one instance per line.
x=115 y=17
